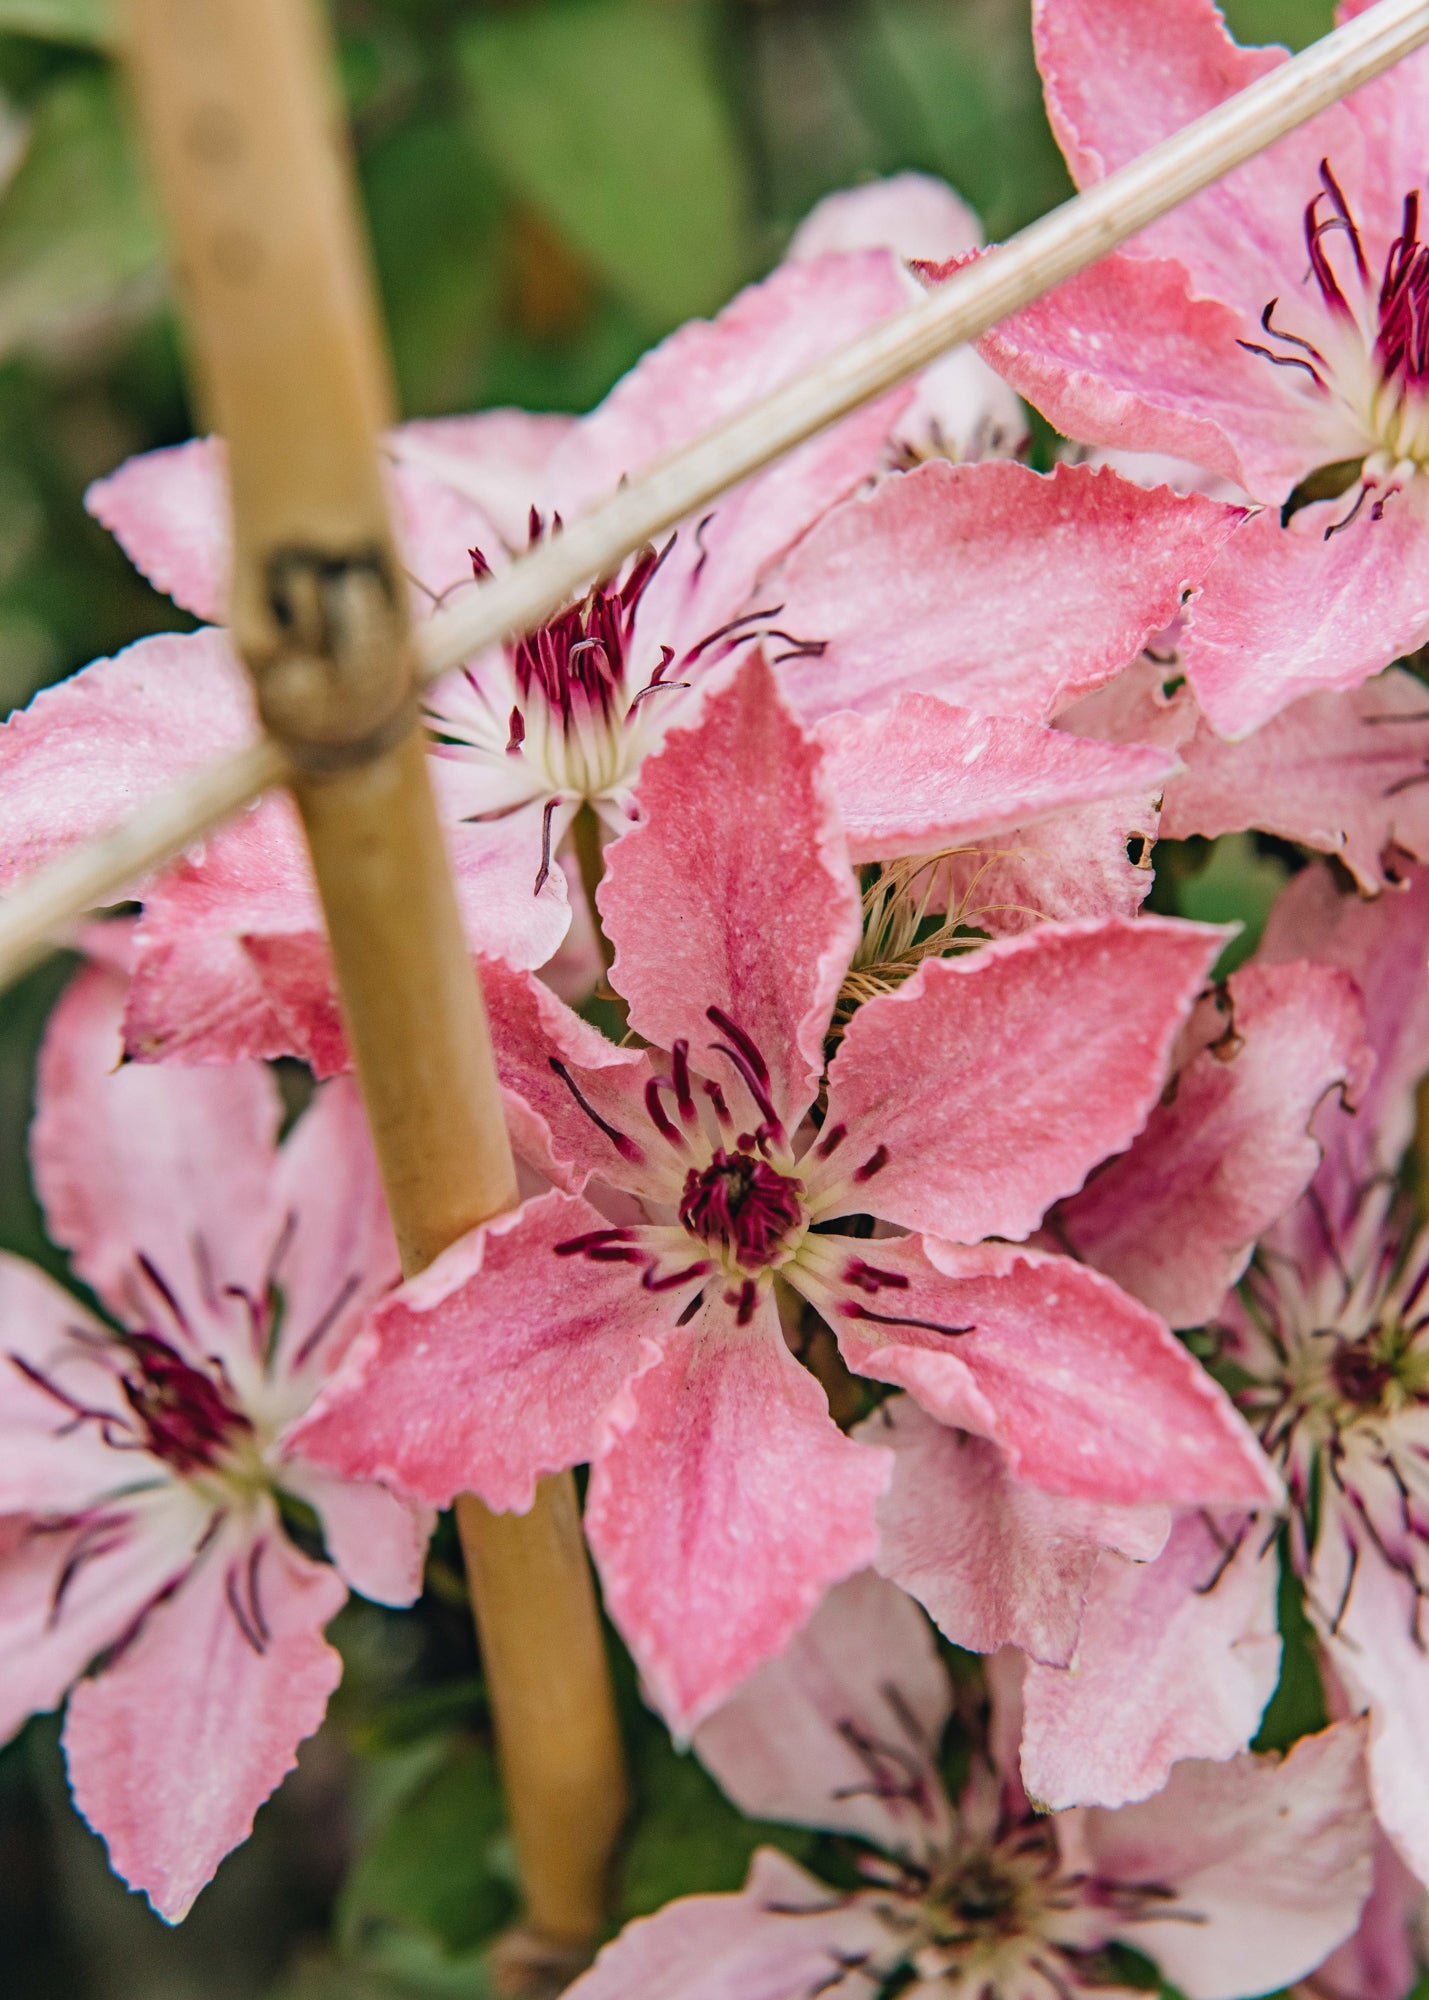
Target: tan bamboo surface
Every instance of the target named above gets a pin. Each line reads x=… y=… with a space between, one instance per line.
x=234 y=100
x=41 y=911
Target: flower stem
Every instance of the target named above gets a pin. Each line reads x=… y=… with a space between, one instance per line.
x=235 y=103
x=585 y=833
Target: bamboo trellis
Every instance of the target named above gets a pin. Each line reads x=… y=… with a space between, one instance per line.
x=289 y=359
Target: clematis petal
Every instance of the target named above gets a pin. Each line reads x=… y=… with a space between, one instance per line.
x=1380 y=1962
x=173 y=1748
x=723 y=1502
x=1005 y=590
x=926 y=775
x=785 y=1936
x=338 y=1254
x=131 y=1171
x=1177 y=1658
x=1120 y=76
x=60 y=1399
x=1368 y=1617
x=1175 y=1218
x=842 y=1730
x=734 y=894
x=86 y=753
x=1269 y=1858
x=993 y=1560
x=533 y=1347
x=376 y=1540
x=1083 y=861
x=1284 y=612
x=169 y=512
x=1127 y=355
x=1383 y=945
x=1344 y=773
x=1014 y=1075
x=71 y=1588
x=1087 y=1392
x=496 y=458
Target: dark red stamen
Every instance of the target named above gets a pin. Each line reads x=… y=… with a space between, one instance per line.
x=517 y=736
x=852 y=1310
x=833 y=1136
x=748 y=1298
x=873 y=1278
x=545 y=868
x=659 y=1117
x=579 y=1246
x=627 y=1148
x=673 y=1280
x=874 y=1164
x=743 y=1204
x=186 y=1413
x=680 y=1077
x=716 y=1097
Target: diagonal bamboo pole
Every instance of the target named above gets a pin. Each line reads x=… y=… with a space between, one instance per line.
x=234 y=101
x=37 y=915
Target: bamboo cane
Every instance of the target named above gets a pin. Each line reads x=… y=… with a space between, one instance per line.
x=36 y=915
x=234 y=101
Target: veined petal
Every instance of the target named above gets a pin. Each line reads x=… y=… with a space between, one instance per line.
x=988 y=1085
x=173 y=1748
x=925 y=775
x=127 y=1169
x=842 y=1730
x=994 y=1561
x=1269 y=1858
x=785 y=1936
x=1088 y=1393
x=1177 y=1658
x=60 y=1400
x=1006 y=590
x=494 y=1367
x=1175 y=1218
x=723 y=1502
x=734 y=895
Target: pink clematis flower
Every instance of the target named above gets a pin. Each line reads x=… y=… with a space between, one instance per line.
x=142 y=1469
x=955 y=585
x=1236 y=1879
x=640 y=1329
x=1272 y=330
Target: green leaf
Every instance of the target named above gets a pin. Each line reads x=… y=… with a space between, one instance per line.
x=605 y=116
x=1233 y=882
x=1294 y=22
x=1297 y=1708
x=86 y=23
x=77 y=234
x=437 y=1867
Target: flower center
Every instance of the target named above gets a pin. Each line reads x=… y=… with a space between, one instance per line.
x=743 y=1206
x=1361 y=1370
x=187 y=1417
x=1376 y=359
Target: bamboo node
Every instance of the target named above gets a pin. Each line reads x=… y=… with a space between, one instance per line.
x=336 y=679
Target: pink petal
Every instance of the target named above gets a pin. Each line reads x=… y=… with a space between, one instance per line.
x=1381 y=1960
x=532 y=1348
x=842 y=1730
x=1121 y=75
x=1175 y=1218
x=1073 y=864
x=1368 y=1618
x=339 y=1255
x=734 y=892
x=991 y=1084
x=722 y=1505
x=1087 y=1392
x=914 y=214
x=1341 y=772
x=1284 y=612
x=376 y=1542
x=1177 y=1658
x=88 y=753
x=530 y=1030
x=1005 y=590
x=783 y=1937
x=294 y=975
x=1126 y=355
x=926 y=775
x=1384 y=945
x=1270 y=1859
x=497 y=458
x=168 y=510
x=174 y=1747
x=126 y=1165
x=69 y=1591
x=49 y=1371
x=994 y=1561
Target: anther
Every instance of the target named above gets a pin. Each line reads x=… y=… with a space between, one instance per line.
x=874 y=1164
x=627 y=1148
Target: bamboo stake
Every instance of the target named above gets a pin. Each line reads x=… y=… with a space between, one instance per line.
x=234 y=98
x=1061 y=243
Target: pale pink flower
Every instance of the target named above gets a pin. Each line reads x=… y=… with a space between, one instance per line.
x=1237 y=1879
x=1272 y=330
x=643 y=1334
x=142 y=1471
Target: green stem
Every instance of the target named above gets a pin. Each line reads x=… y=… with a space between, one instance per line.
x=585 y=833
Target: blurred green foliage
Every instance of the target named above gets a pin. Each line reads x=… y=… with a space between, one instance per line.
x=551 y=186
